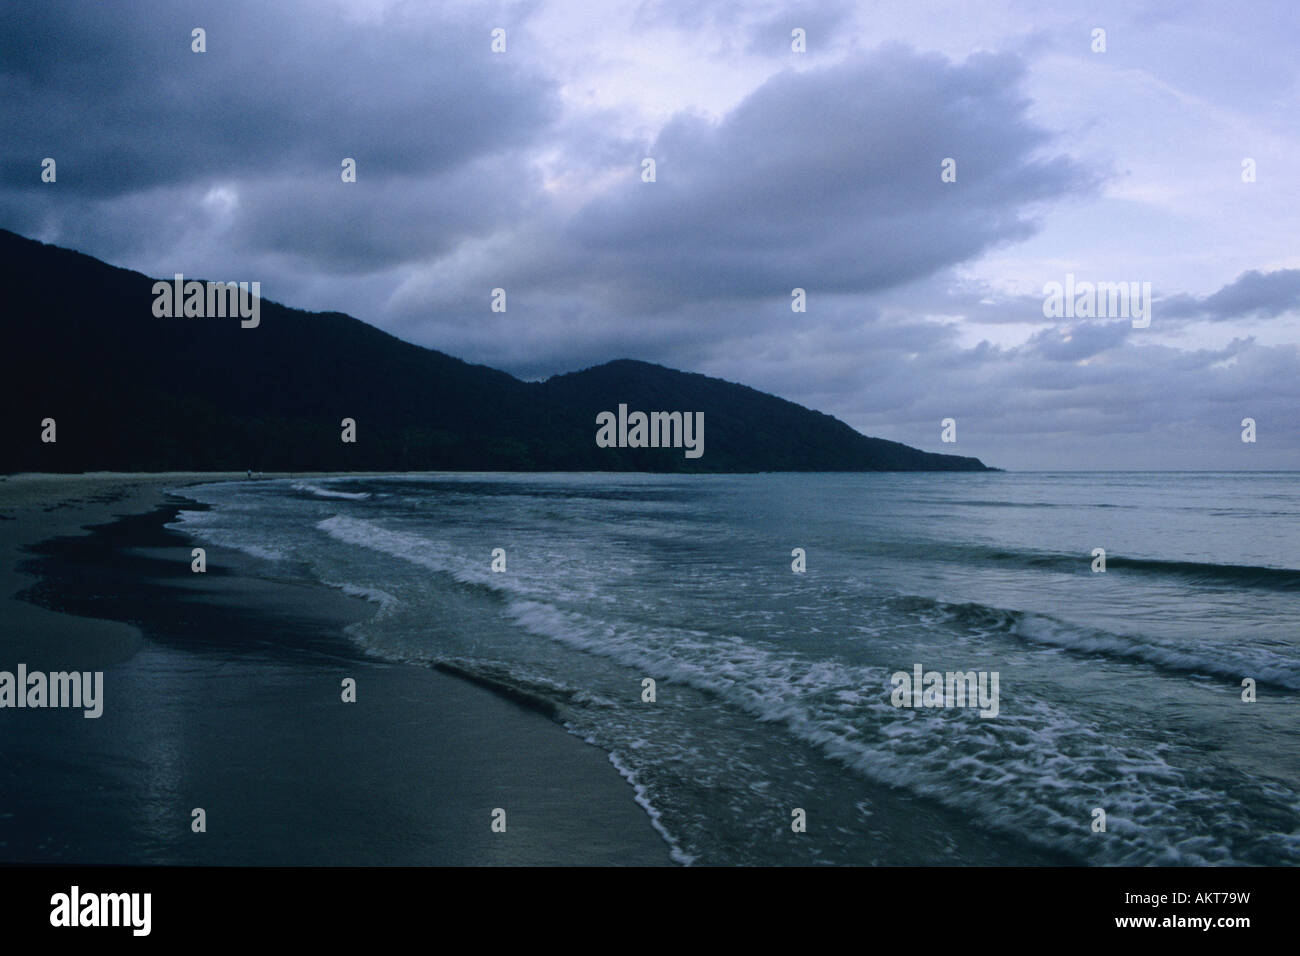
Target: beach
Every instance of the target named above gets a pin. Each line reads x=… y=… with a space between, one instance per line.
x=223 y=692
x=632 y=669
x=754 y=700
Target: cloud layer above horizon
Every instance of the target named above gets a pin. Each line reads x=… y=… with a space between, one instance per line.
x=774 y=170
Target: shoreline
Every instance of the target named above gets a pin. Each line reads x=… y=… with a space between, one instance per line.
x=223 y=692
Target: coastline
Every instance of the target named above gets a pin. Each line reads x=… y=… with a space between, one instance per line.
x=222 y=691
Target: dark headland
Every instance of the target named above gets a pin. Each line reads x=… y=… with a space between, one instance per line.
x=130 y=391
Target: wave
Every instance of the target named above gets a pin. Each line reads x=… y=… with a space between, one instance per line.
x=1233 y=664
x=1202 y=573
x=427 y=553
x=1240 y=575
x=641 y=794
x=1001 y=766
x=545 y=697
x=320 y=492
x=1036 y=765
x=203 y=525
x=387 y=602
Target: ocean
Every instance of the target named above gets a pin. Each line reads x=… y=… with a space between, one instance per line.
x=774 y=690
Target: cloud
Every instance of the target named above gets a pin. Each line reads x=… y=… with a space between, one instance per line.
x=774 y=171
x=829 y=179
x=1077 y=342
x=436 y=122
x=1252 y=294
x=826 y=179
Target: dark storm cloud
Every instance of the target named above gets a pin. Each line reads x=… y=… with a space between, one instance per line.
x=471 y=176
x=830 y=180
x=1073 y=343
x=826 y=180
x=1252 y=294
x=282 y=95
x=1141 y=403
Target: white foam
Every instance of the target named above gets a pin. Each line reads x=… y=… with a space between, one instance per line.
x=387 y=602
x=1259 y=663
x=427 y=553
x=201 y=524
x=1032 y=769
x=320 y=492
x=642 y=797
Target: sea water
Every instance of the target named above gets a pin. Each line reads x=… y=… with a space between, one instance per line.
x=1119 y=691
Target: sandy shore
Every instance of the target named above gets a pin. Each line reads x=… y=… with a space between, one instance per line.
x=36 y=507
x=222 y=691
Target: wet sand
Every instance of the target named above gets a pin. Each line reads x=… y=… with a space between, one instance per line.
x=222 y=691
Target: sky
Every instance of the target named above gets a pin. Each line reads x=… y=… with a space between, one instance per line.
x=1167 y=158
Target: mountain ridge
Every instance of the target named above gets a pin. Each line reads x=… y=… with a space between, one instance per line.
x=133 y=392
